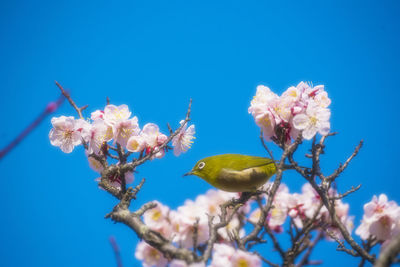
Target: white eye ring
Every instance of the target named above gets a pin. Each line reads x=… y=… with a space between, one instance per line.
x=201 y=165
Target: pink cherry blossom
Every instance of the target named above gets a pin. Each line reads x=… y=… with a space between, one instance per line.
x=226 y=256
x=315 y=119
x=66 y=133
x=150 y=256
x=153 y=139
x=158 y=219
x=123 y=127
x=136 y=143
x=98 y=134
x=381 y=219
x=181 y=263
x=222 y=254
x=263 y=112
x=184 y=219
x=243 y=258
x=95 y=164
x=183 y=141
x=98 y=114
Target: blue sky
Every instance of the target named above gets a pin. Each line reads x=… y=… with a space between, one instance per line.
x=156 y=55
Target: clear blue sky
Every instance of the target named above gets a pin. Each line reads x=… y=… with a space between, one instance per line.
x=154 y=56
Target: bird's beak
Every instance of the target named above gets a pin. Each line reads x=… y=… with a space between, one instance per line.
x=186 y=174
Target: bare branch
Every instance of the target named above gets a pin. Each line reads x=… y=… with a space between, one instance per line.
x=341 y=168
x=117 y=253
x=67 y=96
x=389 y=253
x=265 y=260
x=352 y=190
x=50 y=108
x=141 y=160
x=305 y=260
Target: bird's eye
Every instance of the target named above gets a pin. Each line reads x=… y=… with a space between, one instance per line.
x=201 y=165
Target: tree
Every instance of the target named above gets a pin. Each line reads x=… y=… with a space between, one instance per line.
x=210 y=230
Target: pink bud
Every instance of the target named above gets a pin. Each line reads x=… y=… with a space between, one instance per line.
x=51 y=107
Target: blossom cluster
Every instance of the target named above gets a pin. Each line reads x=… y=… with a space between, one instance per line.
x=301 y=208
x=111 y=126
x=179 y=225
x=300 y=108
x=381 y=220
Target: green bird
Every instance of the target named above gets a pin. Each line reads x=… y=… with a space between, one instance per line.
x=234 y=172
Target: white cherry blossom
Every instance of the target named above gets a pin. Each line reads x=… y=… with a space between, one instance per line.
x=150 y=256
x=123 y=127
x=183 y=141
x=315 y=119
x=66 y=133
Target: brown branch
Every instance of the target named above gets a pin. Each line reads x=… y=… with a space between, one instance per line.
x=67 y=96
x=272 y=192
x=131 y=166
x=153 y=238
x=389 y=253
x=330 y=204
x=352 y=190
x=225 y=218
x=306 y=258
x=266 y=147
x=341 y=168
x=277 y=246
x=265 y=260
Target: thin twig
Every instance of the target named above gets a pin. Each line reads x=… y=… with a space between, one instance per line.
x=352 y=190
x=344 y=166
x=67 y=96
x=50 y=108
x=116 y=250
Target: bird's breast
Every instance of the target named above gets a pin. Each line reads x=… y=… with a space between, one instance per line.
x=240 y=181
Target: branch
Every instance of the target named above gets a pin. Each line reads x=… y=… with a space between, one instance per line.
x=341 y=168
x=352 y=190
x=264 y=211
x=67 y=96
x=306 y=258
x=131 y=166
x=122 y=214
x=50 y=108
x=224 y=221
x=330 y=204
x=117 y=253
x=389 y=253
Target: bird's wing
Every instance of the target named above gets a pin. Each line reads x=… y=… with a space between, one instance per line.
x=246 y=162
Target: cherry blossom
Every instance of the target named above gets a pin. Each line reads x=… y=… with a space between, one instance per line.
x=262 y=112
x=153 y=139
x=183 y=141
x=66 y=133
x=95 y=164
x=183 y=221
x=181 y=263
x=158 y=219
x=315 y=119
x=98 y=114
x=97 y=134
x=123 y=127
x=136 y=143
x=381 y=219
x=227 y=256
x=299 y=108
x=150 y=256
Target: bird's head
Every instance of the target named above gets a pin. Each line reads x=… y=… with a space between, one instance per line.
x=203 y=168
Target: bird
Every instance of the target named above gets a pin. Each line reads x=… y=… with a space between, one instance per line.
x=234 y=172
